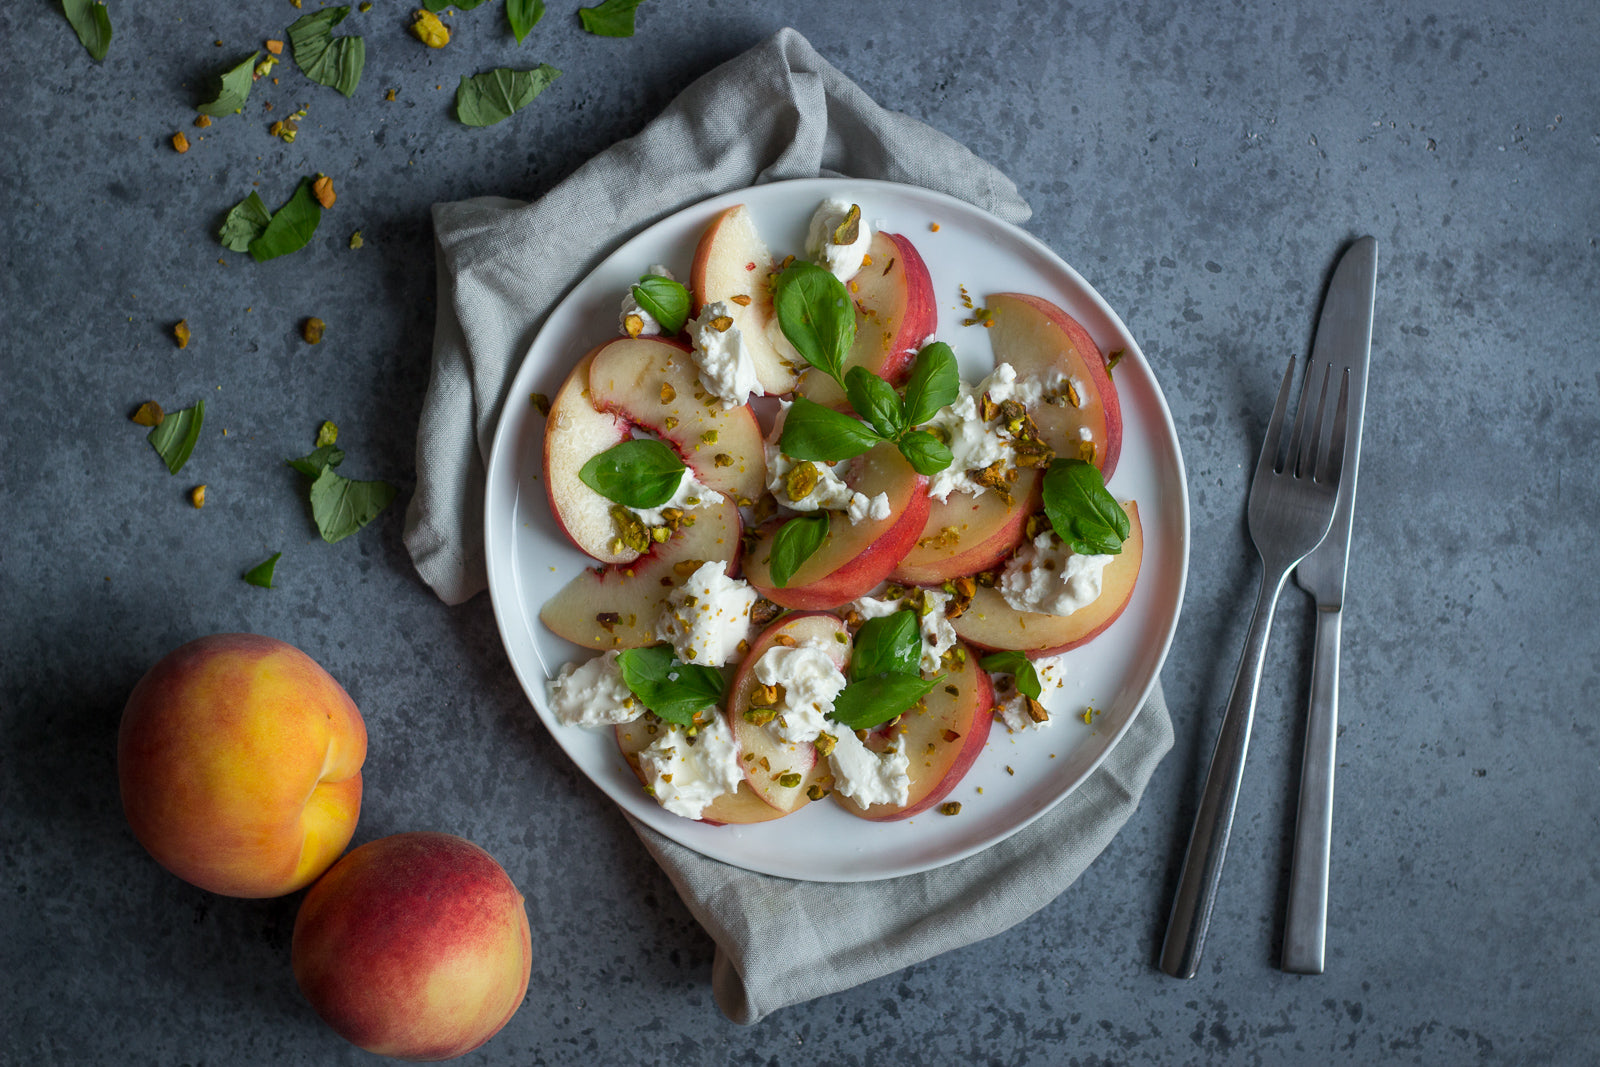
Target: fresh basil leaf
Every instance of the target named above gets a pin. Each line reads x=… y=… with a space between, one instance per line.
x=174 y=439
x=667 y=301
x=291 y=226
x=816 y=314
x=487 y=98
x=812 y=431
x=92 y=24
x=874 y=400
x=435 y=6
x=935 y=383
x=1084 y=514
x=876 y=699
x=342 y=506
x=246 y=221
x=926 y=453
x=612 y=18
x=523 y=15
x=261 y=573
x=889 y=644
x=795 y=542
x=674 y=691
x=1019 y=667
x=312 y=464
x=230 y=89
x=467 y=5
x=324 y=58
x=638 y=473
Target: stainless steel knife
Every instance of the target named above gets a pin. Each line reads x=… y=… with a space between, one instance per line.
x=1344 y=338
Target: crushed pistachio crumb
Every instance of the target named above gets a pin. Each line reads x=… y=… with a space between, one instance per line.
x=197 y=496
x=312 y=331
x=541 y=403
x=950 y=807
x=181 y=334
x=149 y=414
x=180 y=143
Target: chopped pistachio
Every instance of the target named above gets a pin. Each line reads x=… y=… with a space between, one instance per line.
x=312 y=330
x=181 y=334
x=149 y=414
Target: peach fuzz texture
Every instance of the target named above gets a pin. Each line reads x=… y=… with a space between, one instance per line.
x=239 y=760
x=415 y=946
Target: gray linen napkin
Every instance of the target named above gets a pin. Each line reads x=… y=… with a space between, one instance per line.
x=778 y=111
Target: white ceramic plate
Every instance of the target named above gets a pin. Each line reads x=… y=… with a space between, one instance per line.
x=1019 y=776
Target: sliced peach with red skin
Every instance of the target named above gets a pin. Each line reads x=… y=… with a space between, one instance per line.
x=743 y=806
x=942 y=740
x=1040 y=340
x=990 y=623
x=573 y=432
x=895 y=313
x=967 y=534
x=853 y=558
x=616 y=606
x=732 y=264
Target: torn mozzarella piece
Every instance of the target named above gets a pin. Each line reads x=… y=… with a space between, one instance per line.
x=648 y=326
x=707 y=618
x=1047 y=577
x=866 y=777
x=727 y=366
x=810 y=681
x=686 y=774
x=592 y=694
x=842 y=261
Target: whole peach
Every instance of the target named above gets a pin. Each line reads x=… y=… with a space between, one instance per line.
x=414 y=946
x=239 y=760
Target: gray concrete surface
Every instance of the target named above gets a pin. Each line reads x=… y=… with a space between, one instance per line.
x=1199 y=163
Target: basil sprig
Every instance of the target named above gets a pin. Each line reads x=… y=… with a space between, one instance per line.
x=612 y=18
x=92 y=24
x=884 y=674
x=667 y=301
x=812 y=431
x=1082 y=512
x=487 y=98
x=325 y=59
x=175 y=436
x=289 y=229
x=816 y=314
x=230 y=89
x=637 y=473
x=795 y=542
x=523 y=15
x=1019 y=666
x=674 y=691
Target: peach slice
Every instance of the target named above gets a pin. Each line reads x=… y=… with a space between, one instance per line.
x=991 y=623
x=895 y=313
x=854 y=558
x=743 y=806
x=943 y=740
x=617 y=606
x=573 y=432
x=765 y=756
x=732 y=261
x=967 y=534
x=1039 y=339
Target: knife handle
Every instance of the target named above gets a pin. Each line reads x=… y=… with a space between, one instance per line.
x=1306 y=922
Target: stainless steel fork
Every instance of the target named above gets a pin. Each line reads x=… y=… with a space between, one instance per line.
x=1291 y=507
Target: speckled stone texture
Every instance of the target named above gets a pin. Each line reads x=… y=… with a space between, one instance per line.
x=1200 y=164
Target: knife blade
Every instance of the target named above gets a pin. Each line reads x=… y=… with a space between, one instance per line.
x=1344 y=340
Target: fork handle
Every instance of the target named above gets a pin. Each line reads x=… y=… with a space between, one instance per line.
x=1306 y=921
x=1208 y=841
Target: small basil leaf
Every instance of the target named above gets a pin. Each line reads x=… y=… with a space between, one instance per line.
x=92 y=24
x=612 y=18
x=312 y=464
x=889 y=644
x=341 y=506
x=795 y=542
x=261 y=573
x=523 y=15
x=291 y=226
x=674 y=691
x=874 y=400
x=325 y=59
x=935 y=383
x=174 y=439
x=667 y=301
x=1019 y=667
x=638 y=473
x=487 y=98
x=811 y=431
x=467 y=5
x=926 y=453
x=230 y=89
x=246 y=221
x=876 y=699
x=1082 y=512
x=816 y=314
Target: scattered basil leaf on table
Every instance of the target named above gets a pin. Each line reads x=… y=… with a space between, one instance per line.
x=324 y=58
x=816 y=314
x=523 y=16
x=291 y=226
x=1019 y=667
x=795 y=542
x=487 y=98
x=245 y=222
x=313 y=463
x=876 y=699
x=674 y=691
x=175 y=436
x=812 y=431
x=889 y=644
x=230 y=89
x=667 y=301
x=92 y=24
x=1082 y=512
x=342 y=506
x=935 y=382
x=612 y=18
x=261 y=573
x=876 y=401
x=926 y=453
x=638 y=473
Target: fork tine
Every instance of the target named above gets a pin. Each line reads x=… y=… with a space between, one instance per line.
x=1272 y=446
x=1307 y=446
x=1333 y=463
